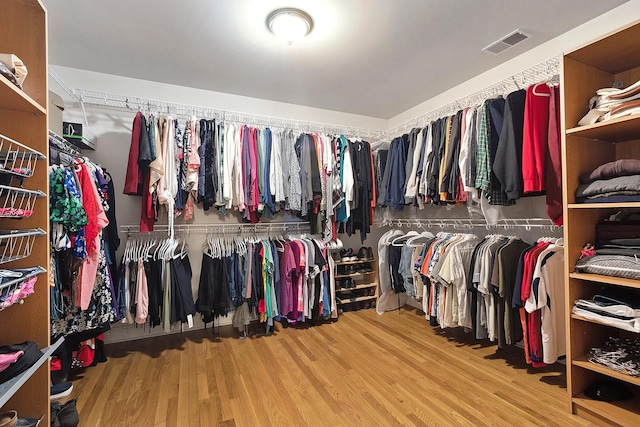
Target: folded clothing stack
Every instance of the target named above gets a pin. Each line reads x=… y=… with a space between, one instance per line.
x=621 y=355
x=612 y=182
x=15 y=359
x=611 y=103
x=13 y=69
x=616 y=257
x=613 y=307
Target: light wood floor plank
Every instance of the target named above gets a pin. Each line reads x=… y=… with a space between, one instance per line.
x=363 y=370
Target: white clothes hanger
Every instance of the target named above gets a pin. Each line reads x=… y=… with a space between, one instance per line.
x=401 y=240
x=415 y=242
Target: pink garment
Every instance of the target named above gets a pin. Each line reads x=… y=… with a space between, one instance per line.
x=301 y=276
x=254 y=194
x=89 y=268
x=25 y=289
x=287 y=268
x=142 y=295
x=9 y=358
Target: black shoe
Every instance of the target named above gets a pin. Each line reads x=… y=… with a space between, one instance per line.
x=363 y=253
x=370 y=252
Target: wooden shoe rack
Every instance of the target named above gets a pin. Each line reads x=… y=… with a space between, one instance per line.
x=365 y=292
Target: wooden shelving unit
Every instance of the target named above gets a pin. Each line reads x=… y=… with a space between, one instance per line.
x=349 y=298
x=613 y=58
x=23 y=118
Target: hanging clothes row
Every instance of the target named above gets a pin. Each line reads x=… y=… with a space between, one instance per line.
x=154 y=283
x=498 y=287
x=489 y=155
x=84 y=239
x=257 y=172
x=281 y=279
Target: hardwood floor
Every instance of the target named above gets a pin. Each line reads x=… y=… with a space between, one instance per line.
x=363 y=370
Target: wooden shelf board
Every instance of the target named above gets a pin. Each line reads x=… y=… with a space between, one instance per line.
x=584 y=319
x=359 y=261
x=613 y=52
x=585 y=364
x=623 y=412
x=614 y=130
x=620 y=281
x=341 y=276
x=12 y=98
x=604 y=205
x=361 y=286
x=8 y=389
x=358 y=299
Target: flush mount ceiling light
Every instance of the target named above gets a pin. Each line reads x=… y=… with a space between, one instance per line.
x=289 y=24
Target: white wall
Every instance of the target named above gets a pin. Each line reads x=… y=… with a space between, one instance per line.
x=113 y=128
x=596 y=28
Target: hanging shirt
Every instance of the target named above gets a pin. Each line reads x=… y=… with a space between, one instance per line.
x=534 y=138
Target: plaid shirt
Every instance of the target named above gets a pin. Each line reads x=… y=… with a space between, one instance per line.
x=483 y=165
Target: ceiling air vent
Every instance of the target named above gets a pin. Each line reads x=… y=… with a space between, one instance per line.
x=506 y=42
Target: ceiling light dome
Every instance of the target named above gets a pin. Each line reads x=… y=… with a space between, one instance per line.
x=289 y=24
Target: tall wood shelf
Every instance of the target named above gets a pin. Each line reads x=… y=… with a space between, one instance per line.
x=23 y=118
x=613 y=58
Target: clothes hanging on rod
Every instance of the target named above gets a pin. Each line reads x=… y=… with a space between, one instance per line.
x=486 y=155
x=84 y=238
x=257 y=172
x=498 y=287
x=276 y=279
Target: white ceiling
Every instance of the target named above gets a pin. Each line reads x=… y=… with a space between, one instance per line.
x=371 y=57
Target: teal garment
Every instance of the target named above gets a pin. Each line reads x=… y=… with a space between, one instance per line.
x=65 y=205
x=341 y=212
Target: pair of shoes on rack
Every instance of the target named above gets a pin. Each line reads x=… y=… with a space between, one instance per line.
x=365 y=253
x=363 y=268
x=347 y=269
x=348 y=255
x=350 y=283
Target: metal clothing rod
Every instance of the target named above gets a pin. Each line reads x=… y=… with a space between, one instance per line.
x=267 y=227
x=61 y=144
x=536 y=74
x=134 y=103
x=468 y=223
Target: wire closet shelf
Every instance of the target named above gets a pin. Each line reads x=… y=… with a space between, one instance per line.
x=147 y=105
x=17 y=244
x=259 y=229
x=16 y=159
x=535 y=74
x=470 y=223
